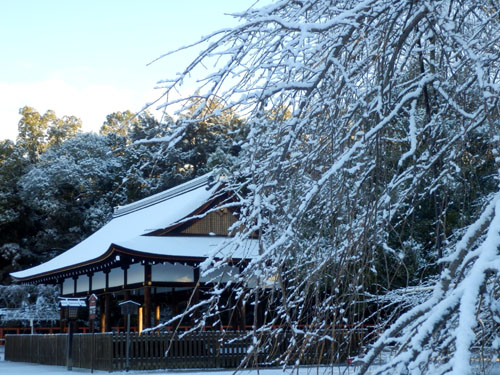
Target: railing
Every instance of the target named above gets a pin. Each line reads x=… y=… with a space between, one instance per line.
x=209 y=349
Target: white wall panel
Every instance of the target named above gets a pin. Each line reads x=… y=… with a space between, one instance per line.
x=135 y=273
x=175 y=273
x=116 y=277
x=82 y=284
x=99 y=281
x=68 y=286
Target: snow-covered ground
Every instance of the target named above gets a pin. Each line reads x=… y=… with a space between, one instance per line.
x=21 y=368
x=18 y=368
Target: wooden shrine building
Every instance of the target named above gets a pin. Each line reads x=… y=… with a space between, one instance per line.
x=150 y=252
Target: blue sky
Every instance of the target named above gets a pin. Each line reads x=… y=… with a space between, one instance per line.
x=89 y=58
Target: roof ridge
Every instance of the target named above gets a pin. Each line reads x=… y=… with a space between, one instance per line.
x=164 y=195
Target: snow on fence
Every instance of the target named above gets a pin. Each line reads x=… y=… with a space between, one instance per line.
x=210 y=349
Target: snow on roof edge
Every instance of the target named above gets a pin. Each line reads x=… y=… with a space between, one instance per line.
x=18 y=275
x=134 y=245
x=165 y=195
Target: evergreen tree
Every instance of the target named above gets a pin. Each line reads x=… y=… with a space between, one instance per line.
x=37 y=132
x=12 y=210
x=69 y=192
x=119 y=123
x=209 y=130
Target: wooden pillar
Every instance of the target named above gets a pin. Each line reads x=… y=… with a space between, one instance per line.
x=147 y=307
x=157 y=311
x=102 y=312
x=257 y=308
x=243 y=315
x=261 y=308
x=107 y=312
x=236 y=315
x=147 y=295
x=140 y=319
x=196 y=295
x=125 y=276
x=174 y=303
x=196 y=292
x=62 y=319
x=91 y=321
x=104 y=305
x=61 y=310
x=126 y=297
x=157 y=314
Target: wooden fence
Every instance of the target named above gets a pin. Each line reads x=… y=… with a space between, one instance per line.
x=210 y=349
x=89 y=351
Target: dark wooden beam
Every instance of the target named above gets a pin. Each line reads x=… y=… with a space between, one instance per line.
x=107 y=312
x=147 y=306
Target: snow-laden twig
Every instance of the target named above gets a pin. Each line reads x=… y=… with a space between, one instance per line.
x=369 y=151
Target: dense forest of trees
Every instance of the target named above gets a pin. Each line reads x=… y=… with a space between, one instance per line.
x=59 y=185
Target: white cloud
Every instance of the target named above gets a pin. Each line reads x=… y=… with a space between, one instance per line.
x=90 y=103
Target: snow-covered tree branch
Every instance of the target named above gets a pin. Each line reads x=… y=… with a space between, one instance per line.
x=371 y=151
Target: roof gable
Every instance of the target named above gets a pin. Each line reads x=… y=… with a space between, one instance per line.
x=206 y=181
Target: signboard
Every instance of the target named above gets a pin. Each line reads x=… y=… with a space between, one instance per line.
x=92 y=306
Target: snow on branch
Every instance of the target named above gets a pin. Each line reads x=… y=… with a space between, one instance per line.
x=371 y=148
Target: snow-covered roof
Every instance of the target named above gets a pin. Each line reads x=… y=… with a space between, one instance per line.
x=131 y=222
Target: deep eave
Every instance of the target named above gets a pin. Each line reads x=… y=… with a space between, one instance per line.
x=118 y=256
